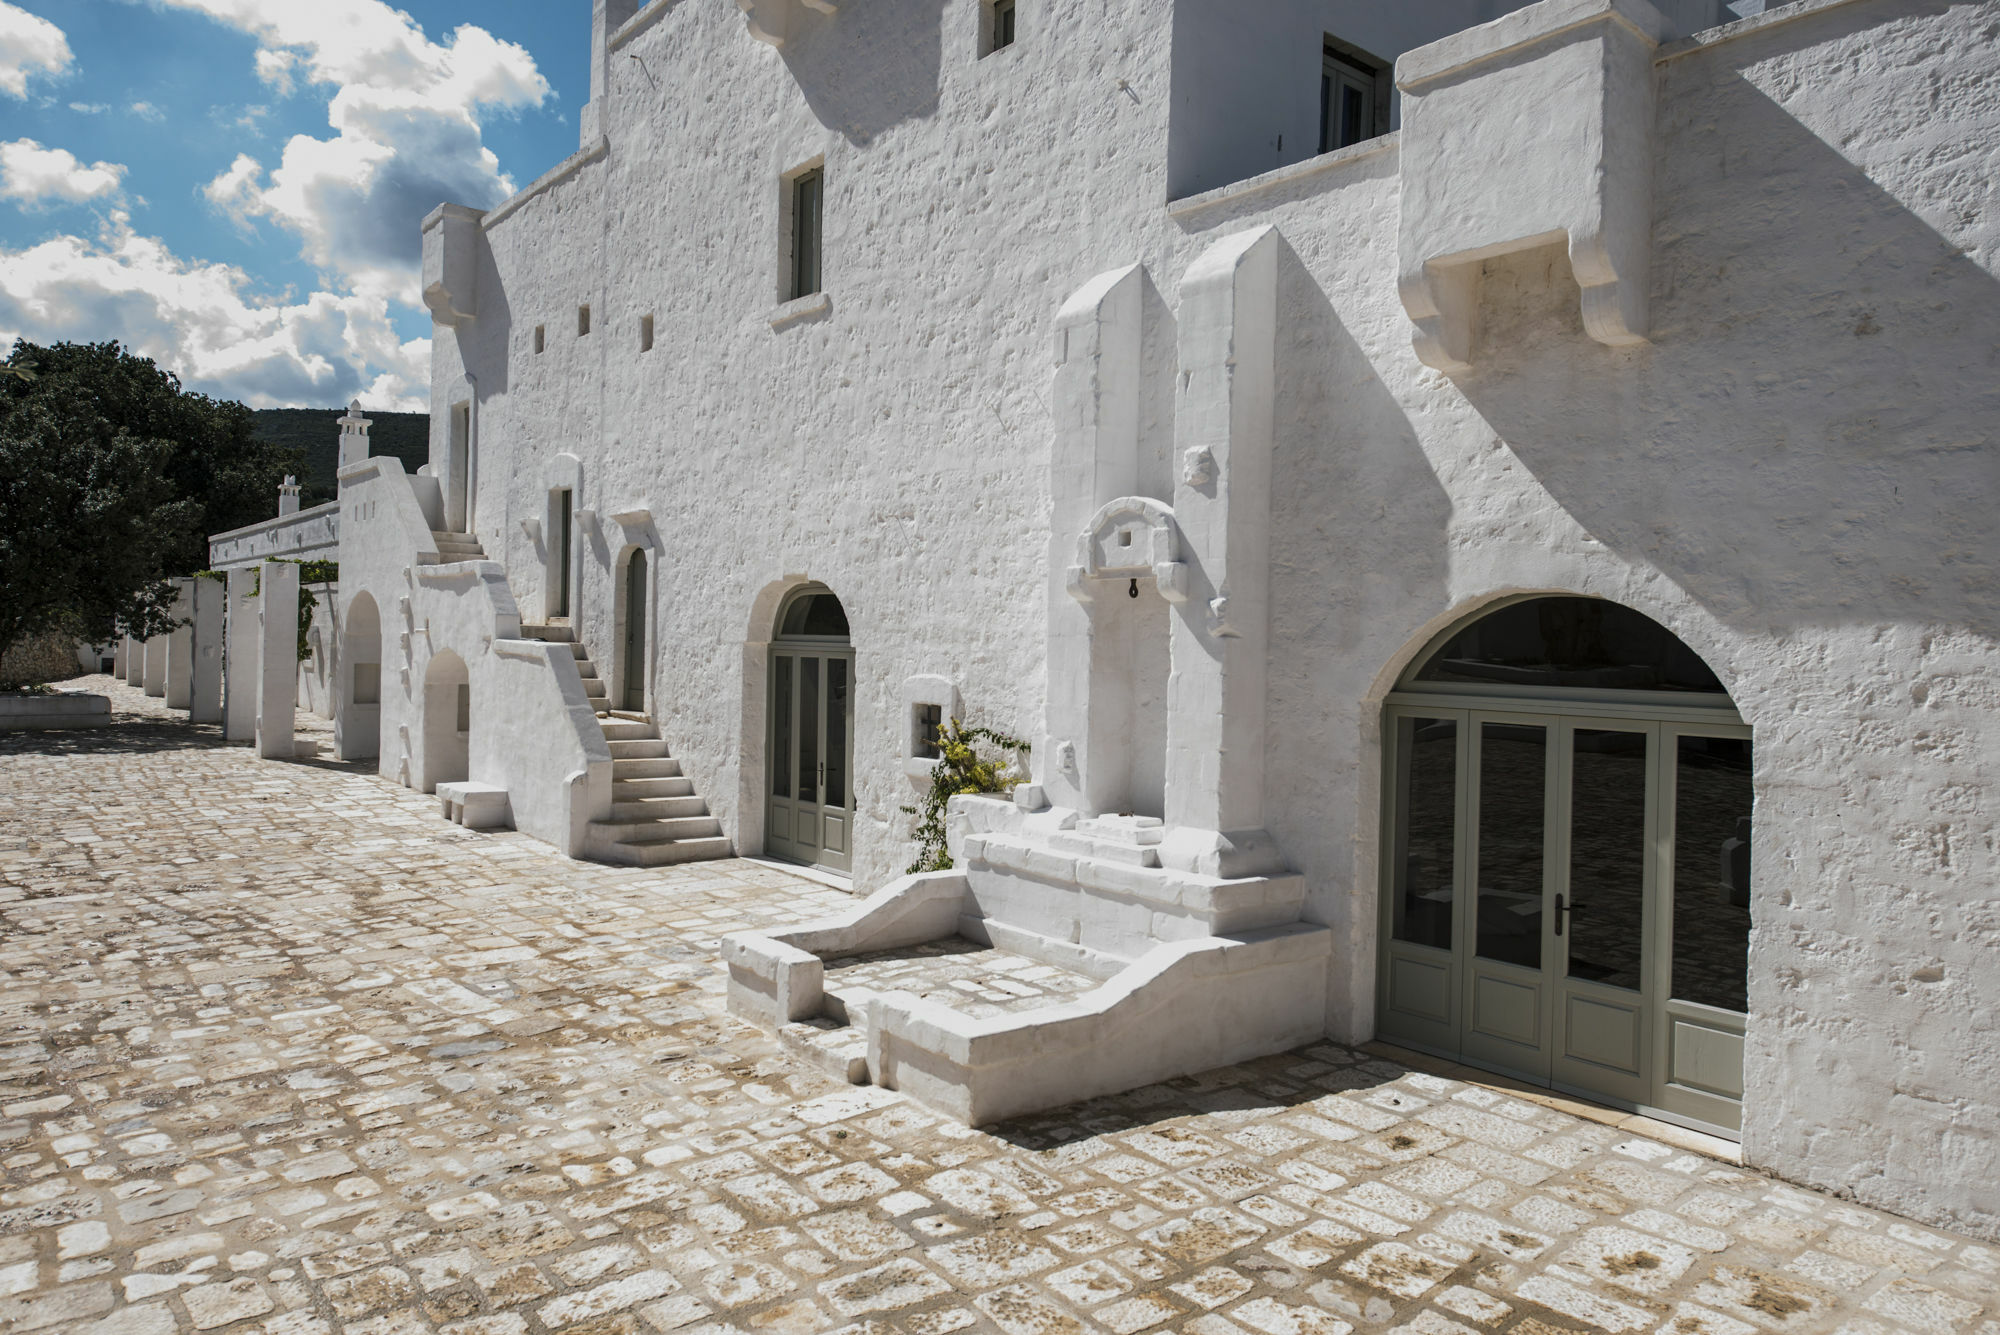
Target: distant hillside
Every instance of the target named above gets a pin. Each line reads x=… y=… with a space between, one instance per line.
x=317 y=433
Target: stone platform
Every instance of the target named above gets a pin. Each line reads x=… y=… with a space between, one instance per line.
x=284 y=1053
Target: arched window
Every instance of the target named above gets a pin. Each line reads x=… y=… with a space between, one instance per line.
x=1566 y=859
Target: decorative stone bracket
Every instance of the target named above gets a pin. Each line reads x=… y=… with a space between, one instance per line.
x=1132 y=537
x=771 y=20
x=1532 y=129
x=451 y=263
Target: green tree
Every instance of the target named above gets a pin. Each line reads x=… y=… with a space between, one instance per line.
x=111 y=479
x=212 y=455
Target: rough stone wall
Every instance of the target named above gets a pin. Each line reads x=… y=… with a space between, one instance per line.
x=45 y=658
x=1796 y=475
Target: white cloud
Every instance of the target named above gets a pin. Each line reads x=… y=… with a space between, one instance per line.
x=205 y=323
x=28 y=45
x=90 y=108
x=146 y=111
x=406 y=132
x=37 y=177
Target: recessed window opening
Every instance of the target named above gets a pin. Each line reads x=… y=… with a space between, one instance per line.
x=464 y=708
x=805 y=193
x=541 y=337
x=582 y=321
x=645 y=333
x=996 y=26
x=926 y=723
x=1353 y=96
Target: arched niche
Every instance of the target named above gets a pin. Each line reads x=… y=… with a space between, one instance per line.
x=358 y=691
x=447 y=721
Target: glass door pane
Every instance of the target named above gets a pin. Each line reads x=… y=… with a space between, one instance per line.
x=1606 y=910
x=781 y=726
x=1513 y=770
x=836 y=732
x=1712 y=793
x=808 y=724
x=1425 y=859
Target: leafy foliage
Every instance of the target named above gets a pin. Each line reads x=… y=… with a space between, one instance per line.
x=111 y=479
x=960 y=770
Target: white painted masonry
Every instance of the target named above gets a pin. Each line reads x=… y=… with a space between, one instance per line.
x=1709 y=334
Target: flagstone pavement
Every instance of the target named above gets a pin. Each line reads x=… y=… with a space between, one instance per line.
x=283 y=1052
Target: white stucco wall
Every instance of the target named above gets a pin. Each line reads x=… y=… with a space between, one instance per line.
x=1796 y=475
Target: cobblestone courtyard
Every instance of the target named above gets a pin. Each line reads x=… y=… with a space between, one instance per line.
x=283 y=1052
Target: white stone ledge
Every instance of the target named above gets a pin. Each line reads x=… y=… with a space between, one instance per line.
x=1750 y=27
x=1281 y=178
x=647 y=16
x=801 y=308
x=548 y=180
x=1486 y=43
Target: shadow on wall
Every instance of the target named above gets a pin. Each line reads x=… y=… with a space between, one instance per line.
x=873 y=69
x=1347 y=472
x=1838 y=463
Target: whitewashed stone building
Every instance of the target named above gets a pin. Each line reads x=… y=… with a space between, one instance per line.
x=1486 y=512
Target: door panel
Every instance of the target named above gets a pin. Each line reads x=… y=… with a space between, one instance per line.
x=1420 y=992
x=1706 y=1059
x=1507 y=1022
x=1606 y=1031
x=1509 y=1009
x=1421 y=988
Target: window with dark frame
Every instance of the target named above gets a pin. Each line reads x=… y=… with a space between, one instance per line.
x=808 y=190
x=1353 y=97
x=1003 y=24
x=929 y=724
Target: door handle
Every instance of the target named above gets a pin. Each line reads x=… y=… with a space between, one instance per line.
x=1562 y=910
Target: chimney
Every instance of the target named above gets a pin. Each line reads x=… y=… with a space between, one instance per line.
x=288 y=497
x=353 y=435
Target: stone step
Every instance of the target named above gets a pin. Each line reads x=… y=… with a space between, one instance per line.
x=834 y=1048
x=655 y=831
x=624 y=807
x=662 y=853
x=584 y=667
x=644 y=767
x=593 y=687
x=639 y=748
x=637 y=789
x=552 y=633
x=626 y=730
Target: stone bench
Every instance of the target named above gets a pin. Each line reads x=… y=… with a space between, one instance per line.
x=476 y=806
x=66 y=709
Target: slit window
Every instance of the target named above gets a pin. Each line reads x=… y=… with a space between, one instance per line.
x=1353 y=97
x=582 y=321
x=541 y=338
x=645 y=333
x=805 y=195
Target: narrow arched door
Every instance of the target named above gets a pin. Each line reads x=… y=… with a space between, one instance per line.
x=633 y=670
x=1566 y=860
x=810 y=801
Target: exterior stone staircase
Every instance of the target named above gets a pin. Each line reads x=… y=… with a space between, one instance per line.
x=455 y=547
x=657 y=818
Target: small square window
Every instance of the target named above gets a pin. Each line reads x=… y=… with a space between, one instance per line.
x=645 y=333
x=541 y=337
x=582 y=321
x=996 y=26
x=926 y=722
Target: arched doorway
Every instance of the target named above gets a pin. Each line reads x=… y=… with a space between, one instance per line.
x=357 y=716
x=1566 y=859
x=447 y=721
x=632 y=619
x=810 y=795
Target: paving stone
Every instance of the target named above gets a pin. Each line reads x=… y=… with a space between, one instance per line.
x=280 y=1048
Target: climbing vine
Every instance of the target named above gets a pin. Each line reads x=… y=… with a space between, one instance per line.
x=960 y=770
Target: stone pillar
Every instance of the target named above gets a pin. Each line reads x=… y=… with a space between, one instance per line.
x=134 y=671
x=1223 y=428
x=180 y=648
x=205 y=702
x=239 y=684
x=288 y=496
x=155 y=679
x=606 y=17
x=118 y=657
x=353 y=435
x=1095 y=458
x=277 y=659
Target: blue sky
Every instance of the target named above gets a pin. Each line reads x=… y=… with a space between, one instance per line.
x=233 y=187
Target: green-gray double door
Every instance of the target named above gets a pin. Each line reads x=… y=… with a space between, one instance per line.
x=1566 y=900
x=811 y=802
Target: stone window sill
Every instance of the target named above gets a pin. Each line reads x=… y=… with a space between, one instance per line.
x=813 y=307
